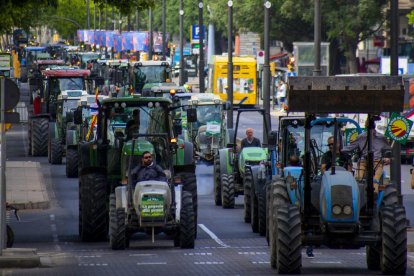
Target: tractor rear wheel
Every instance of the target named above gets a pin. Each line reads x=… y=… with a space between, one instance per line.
x=187 y=228
x=190 y=185
x=394 y=240
x=278 y=196
x=261 y=198
x=288 y=240
x=72 y=160
x=247 y=184
x=95 y=213
x=390 y=196
x=227 y=191
x=117 y=227
x=217 y=181
x=39 y=134
x=56 y=151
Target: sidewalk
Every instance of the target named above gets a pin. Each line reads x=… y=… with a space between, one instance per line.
x=24 y=185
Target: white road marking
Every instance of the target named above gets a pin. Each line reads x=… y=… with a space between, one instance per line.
x=159 y=263
x=252 y=253
x=198 y=254
x=212 y=235
x=326 y=262
x=260 y=262
x=208 y=263
x=104 y=264
x=142 y=255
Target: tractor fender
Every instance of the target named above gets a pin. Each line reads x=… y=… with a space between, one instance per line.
x=259 y=182
x=225 y=161
x=295 y=173
x=188 y=153
x=92 y=158
x=121 y=198
x=71 y=137
x=53 y=131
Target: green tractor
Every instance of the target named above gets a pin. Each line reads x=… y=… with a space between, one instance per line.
x=146 y=74
x=209 y=132
x=105 y=161
x=84 y=132
x=66 y=103
x=233 y=173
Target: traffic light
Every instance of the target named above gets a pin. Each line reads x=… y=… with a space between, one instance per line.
x=291 y=64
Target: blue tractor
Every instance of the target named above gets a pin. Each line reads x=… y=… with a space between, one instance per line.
x=334 y=209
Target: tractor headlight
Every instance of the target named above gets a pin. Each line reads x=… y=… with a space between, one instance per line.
x=336 y=210
x=347 y=210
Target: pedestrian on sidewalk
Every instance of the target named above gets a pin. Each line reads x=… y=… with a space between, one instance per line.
x=281 y=95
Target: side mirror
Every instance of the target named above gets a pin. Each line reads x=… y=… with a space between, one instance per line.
x=272 y=138
x=386 y=153
x=77 y=116
x=191 y=115
x=178 y=129
x=226 y=106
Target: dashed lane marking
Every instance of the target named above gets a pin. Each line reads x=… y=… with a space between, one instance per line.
x=252 y=253
x=159 y=263
x=104 y=264
x=198 y=254
x=260 y=262
x=212 y=235
x=208 y=263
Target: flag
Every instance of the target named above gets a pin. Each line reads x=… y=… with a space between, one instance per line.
x=91 y=127
x=96 y=95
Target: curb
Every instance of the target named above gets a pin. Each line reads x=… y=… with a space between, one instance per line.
x=19 y=257
x=31 y=205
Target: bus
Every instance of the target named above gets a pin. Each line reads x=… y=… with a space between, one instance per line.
x=244 y=78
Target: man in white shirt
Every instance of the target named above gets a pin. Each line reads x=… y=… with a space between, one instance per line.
x=281 y=94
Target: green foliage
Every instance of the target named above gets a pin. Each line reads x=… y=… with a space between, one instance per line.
x=410 y=17
x=127 y=6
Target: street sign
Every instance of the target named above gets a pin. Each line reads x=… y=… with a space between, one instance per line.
x=398 y=128
x=12 y=95
x=195 y=34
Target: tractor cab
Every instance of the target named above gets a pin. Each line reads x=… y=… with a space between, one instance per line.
x=146 y=73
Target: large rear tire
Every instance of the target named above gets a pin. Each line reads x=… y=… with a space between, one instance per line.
x=394 y=240
x=117 y=227
x=227 y=191
x=39 y=136
x=289 y=240
x=72 y=161
x=247 y=184
x=187 y=229
x=217 y=181
x=95 y=213
x=56 y=151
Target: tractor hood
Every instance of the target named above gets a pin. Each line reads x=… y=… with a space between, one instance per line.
x=254 y=154
x=141 y=146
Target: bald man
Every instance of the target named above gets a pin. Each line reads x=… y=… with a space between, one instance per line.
x=250 y=140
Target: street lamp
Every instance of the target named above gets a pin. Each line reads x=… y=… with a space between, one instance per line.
x=266 y=69
x=181 y=74
x=230 y=64
x=317 y=34
x=151 y=39
x=201 y=53
x=163 y=29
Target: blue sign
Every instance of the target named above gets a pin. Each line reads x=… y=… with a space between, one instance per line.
x=195 y=34
x=291 y=74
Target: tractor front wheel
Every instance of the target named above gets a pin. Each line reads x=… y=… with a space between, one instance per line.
x=72 y=161
x=394 y=240
x=187 y=228
x=39 y=134
x=217 y=181
x=117 y=227
x=247 y=184
x=227 y=191
x=56 y=151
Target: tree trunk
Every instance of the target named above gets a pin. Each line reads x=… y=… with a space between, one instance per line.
x=351 y=58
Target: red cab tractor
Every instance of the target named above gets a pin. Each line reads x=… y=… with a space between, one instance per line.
x=45 y=104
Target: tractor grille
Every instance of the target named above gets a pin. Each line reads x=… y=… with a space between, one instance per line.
x=342 y=195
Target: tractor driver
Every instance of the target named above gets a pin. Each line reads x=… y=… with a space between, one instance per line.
x=250 y=140
x=342 y=159
x=132 y=125
x=147 y=170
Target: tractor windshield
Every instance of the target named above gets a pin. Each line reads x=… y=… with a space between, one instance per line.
x=208 y=113
x=69 y=106
x=155 y=73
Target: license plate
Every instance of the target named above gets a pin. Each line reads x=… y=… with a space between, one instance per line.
x=152 y=206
